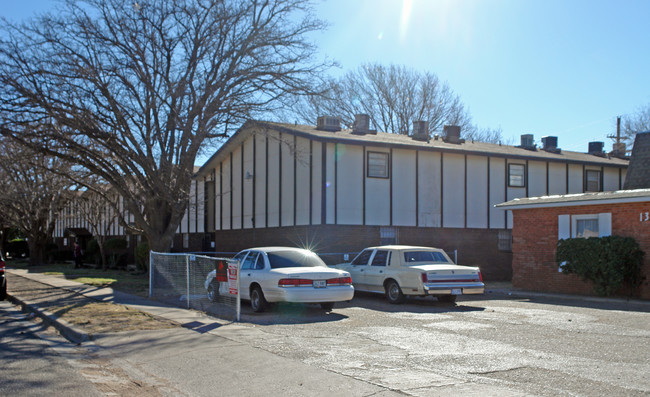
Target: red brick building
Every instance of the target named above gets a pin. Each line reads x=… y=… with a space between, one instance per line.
x=539 y=222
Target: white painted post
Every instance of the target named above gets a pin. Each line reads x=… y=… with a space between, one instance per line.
x=238 y=304
x=187 y=272
x=151 y=262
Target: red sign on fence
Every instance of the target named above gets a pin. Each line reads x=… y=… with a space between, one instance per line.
x=233 y=268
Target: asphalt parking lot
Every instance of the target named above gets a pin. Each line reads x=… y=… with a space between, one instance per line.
x=542 y=345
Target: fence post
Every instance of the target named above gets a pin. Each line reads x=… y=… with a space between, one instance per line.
x=187 y=267
x=151 y=262
x=238 y=304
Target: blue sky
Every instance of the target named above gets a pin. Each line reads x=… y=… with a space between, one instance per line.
x=547 y=67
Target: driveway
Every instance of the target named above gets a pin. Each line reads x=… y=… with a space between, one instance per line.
x=528 y=346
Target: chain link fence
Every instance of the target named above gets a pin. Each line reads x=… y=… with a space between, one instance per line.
x=196 y=282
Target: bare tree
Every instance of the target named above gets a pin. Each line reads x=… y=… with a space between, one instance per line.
x=635 y=123
x=99 y=208
x=32 y=195
x=132 y=93
x=393 y=97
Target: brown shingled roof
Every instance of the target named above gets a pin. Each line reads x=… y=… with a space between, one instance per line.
x=638 y=173
x=346 y=136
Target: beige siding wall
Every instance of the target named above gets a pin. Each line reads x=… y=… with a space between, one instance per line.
x=477 y=187
x=453 y=190
x=349 y=182
x=497 y=192
x=429 y=189
x=404 y=180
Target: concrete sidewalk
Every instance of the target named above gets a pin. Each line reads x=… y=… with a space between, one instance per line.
x=189 y=360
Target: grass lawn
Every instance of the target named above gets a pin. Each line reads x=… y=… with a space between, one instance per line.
x=120 y=280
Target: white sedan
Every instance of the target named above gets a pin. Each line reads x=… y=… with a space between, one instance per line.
x=285 y=274
x=400 y=270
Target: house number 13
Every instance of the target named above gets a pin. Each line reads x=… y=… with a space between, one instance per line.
x=644 y=216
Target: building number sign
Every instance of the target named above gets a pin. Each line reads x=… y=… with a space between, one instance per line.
x=644 y=216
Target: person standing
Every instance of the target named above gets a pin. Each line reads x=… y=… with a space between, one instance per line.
x=77 y=255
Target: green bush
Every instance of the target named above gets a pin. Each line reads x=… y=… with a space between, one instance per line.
x=114 y=244
x=142 y=256
x=608 y=262
x=115 y=255
x=92 y=254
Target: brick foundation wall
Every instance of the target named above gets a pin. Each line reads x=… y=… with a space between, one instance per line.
x=476 y=247
x=535 y=237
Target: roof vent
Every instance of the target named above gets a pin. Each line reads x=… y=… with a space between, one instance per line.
x=451 y=134
x=619 y=150
x=528 y=142
x=361 y=124
x=328 y=123
x=420 y=130
x=549 y=144
x=596 y=148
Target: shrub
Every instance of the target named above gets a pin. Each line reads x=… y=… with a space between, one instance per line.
x=142 y=256
x=92 y=254
x=114 y=249
x=608 y=262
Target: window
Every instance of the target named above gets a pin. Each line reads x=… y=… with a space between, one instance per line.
x=424 y=256
x=362 y=258
x=516 y=175
x=380 y=258
x=284 y=259
x=377 y=165
x=505 y=240
x=388 y=235
x=592 y=181
x=585 y=226
x=249 y=261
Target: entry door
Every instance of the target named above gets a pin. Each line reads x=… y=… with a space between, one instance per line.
x=375 y=274
x=358 y=269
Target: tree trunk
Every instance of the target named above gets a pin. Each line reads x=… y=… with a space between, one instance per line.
x=36 y=251
x=102 y=253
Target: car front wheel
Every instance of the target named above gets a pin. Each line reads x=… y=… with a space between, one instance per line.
x=258 y=303
x=394 y=292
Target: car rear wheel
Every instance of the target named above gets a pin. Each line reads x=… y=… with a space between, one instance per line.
x=447 y=298
x=3 y=292
x=213 y=291
x=394 y=292
x=258 y=302
x=327 y=306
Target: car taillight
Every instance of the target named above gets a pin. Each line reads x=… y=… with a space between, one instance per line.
x=424 y=278
x=2 y=265
x=294 y=282
x=480 y=276
x=340 y=281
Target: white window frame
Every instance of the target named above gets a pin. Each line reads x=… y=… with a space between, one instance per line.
x=567 y=224
x=576 y=218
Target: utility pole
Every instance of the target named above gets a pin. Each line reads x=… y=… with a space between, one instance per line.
x=616 y=150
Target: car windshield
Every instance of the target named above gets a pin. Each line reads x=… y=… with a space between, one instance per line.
x=281 y=259
x=424 y=256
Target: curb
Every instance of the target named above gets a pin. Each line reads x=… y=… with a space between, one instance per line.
x=69 y=331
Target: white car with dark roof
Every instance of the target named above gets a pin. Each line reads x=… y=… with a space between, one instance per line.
x=400 y=270
x=285 y=274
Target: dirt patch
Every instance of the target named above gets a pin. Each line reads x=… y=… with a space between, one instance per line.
x=97 y=317
x=87 y=314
